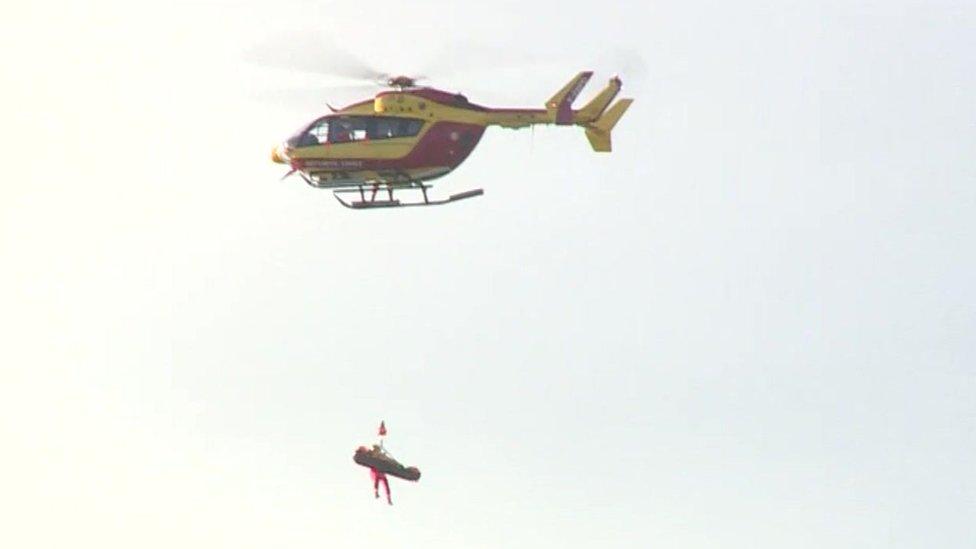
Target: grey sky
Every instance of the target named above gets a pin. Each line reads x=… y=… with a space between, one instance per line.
x=751 y=325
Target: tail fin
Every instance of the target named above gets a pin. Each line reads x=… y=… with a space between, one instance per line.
x=560 y=106
x=598 y=131
x=598 y=104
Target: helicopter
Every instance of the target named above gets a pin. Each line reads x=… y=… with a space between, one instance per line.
x=408 y=135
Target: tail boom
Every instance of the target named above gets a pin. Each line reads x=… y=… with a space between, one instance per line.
x=595 y=117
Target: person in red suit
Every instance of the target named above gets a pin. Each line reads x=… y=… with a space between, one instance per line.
x=379 y=476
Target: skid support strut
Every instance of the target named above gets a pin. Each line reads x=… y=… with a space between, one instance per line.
x=371 y=202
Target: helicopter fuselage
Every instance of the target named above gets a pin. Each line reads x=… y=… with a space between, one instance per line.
x=406 y=136
x=397 y=138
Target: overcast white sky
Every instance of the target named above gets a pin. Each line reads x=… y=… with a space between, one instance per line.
x=751 y=325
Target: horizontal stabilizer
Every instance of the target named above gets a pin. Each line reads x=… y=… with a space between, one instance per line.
x=598 y=132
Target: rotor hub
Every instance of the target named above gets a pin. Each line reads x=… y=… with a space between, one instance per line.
x=401 y=82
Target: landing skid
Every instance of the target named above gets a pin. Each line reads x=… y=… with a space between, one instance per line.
x=367 y=199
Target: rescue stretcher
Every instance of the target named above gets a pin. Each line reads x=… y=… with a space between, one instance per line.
x=377 y=459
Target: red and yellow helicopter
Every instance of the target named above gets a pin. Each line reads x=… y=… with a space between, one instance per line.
x=409 y=135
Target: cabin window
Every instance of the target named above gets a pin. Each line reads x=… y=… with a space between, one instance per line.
x=387 y=127
x=384 y=128
x=347 y=129
x=357 y=128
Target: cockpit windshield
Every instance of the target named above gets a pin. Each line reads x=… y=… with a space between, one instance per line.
x=314 y=134
x=345 y=129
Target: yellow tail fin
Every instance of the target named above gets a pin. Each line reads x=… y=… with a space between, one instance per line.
x=598 y=132
x=560 y=106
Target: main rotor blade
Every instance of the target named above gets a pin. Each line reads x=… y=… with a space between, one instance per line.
x=313 y=98
x=311 y=53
